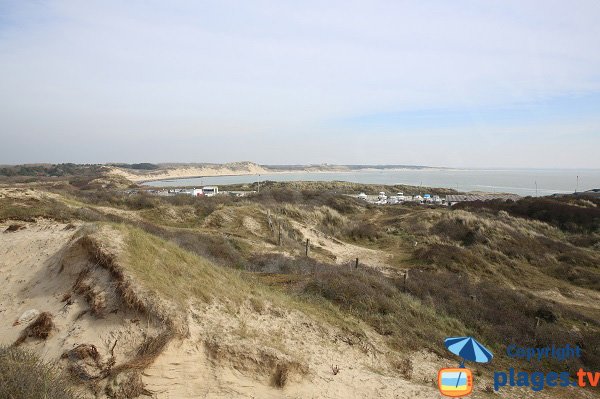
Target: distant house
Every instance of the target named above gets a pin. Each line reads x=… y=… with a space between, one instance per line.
x=210 y=191
x=206 y=191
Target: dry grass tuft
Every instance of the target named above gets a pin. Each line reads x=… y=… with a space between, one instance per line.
x=14 y=227
x=129 y=387
x=24 y=376
x=280 y=376
x=93 y=295
x=40 y=328
x=82 y=352
x=404 y=366
x=335 y=369
x=147 y=352
x=70 y=226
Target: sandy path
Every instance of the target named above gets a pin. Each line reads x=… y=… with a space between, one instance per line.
x=346 y=253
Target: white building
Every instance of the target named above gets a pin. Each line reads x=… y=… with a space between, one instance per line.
x=207 y=191
x=210 y=191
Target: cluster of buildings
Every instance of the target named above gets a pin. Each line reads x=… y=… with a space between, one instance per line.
x=428 y=199
x=206 y=191
x=381 y=199
x=400 y=198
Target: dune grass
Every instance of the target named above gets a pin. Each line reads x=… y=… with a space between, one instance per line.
x=24 y=376
x=336 y=295
x=176 y=273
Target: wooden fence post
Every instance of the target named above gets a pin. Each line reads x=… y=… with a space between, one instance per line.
x=356 y=264
x=279 y=238
x=307 y=243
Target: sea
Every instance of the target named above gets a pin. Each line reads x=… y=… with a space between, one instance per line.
x=525 y=182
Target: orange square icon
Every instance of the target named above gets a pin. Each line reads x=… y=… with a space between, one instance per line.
x=455 y=382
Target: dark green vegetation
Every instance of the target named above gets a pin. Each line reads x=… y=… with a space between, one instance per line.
x=526 y=272
x=137 y=166
x=23 y=375
x=56 y=170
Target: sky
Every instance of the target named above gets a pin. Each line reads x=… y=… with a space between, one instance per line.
x=510 y=84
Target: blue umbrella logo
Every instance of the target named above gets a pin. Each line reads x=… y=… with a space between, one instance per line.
x=468 y=349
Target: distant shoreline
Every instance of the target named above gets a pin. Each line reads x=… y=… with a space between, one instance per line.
x=184 y=171
x=284 y=172
x=522 y=182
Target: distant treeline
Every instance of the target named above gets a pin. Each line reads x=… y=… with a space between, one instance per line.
x=138 y=166
x=53 y=170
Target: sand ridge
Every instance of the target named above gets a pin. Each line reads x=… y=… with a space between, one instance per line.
x=183 y=171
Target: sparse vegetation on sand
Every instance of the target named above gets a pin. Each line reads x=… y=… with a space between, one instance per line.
x=235 y=273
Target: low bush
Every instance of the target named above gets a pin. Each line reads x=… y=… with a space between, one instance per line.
x=498 y=314
x=458 y=230
x=378 y=300
x=567 y=213
x=449 y=257
x=281 y=264
x=24 y=376
x=344 y=204
x=364 y=231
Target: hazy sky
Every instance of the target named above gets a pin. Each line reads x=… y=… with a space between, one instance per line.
x=493 y=83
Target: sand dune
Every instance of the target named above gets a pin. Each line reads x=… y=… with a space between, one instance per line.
x=178 y=172
x=225 y=353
